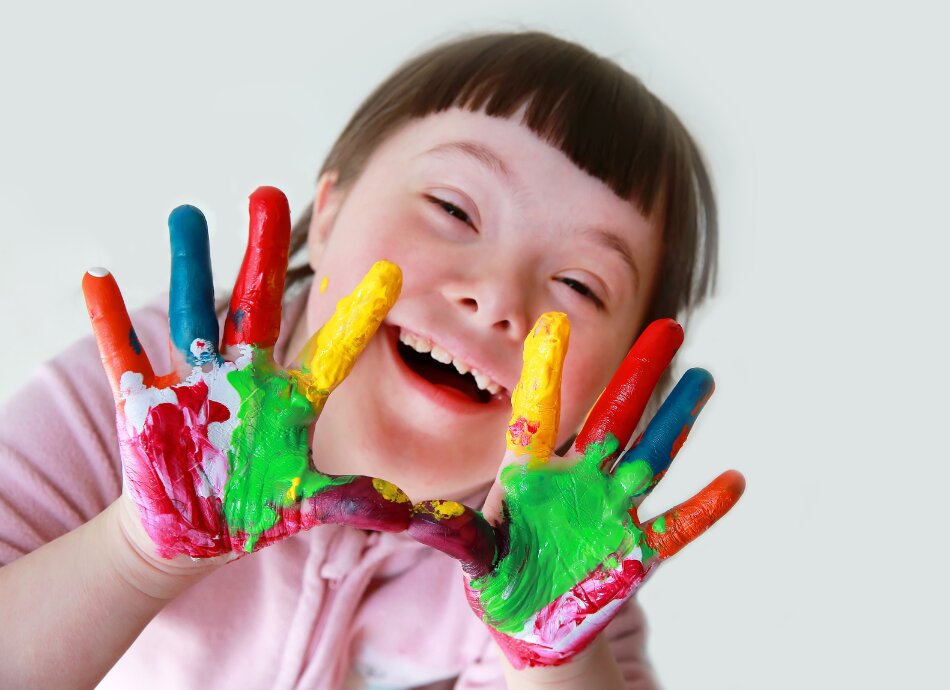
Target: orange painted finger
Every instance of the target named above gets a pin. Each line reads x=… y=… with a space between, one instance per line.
x=119 y=347
x=670 y=532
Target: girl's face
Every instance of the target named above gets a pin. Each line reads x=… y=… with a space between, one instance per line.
x=492 y=227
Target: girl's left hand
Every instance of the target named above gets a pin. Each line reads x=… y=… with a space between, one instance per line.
x=559 y=546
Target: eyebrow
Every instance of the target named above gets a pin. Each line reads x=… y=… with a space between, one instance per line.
x=477 y=152
x=488 y=158
x=611 y=241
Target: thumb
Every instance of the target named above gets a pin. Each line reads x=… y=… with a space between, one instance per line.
x=458 y=531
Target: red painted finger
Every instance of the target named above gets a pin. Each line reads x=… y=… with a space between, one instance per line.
x=119 y=347
x=676 y=528
x=455 y=530
x=254 y=315
x=620 y=406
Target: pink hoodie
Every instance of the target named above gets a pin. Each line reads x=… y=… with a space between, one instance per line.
x=330 y=608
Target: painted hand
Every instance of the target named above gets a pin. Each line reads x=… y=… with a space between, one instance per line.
x=559 y=546
x=215 y=455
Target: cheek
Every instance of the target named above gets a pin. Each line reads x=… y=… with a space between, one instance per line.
x=585 y=377
x=579 y=391
x=345 y=259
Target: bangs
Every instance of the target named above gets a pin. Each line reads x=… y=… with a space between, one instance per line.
x=602 y=118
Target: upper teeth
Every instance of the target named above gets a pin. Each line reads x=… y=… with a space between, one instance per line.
x=440 y=354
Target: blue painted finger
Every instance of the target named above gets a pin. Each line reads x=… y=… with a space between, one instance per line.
x=191 y=318
x=641 y=467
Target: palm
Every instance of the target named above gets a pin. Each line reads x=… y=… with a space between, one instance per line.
x=562 y=547
x=215 y=455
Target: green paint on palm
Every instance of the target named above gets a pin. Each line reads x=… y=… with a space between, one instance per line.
x=564 y=523
x=268 y=460
x=659 y=525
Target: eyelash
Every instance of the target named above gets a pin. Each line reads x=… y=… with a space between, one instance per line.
x=460 y=215
x=452 y=210
x=581 y=289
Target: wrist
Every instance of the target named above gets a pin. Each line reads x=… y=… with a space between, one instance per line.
x=595 y=666
x=135 y=562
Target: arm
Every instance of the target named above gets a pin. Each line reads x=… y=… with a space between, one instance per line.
x=595 y=667
x=81 y=600
x=625 y=638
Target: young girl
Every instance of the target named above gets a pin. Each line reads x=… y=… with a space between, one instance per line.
x=509 y=177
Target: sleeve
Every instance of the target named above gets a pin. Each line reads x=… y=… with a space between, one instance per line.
x=59 y=457
x=626 y=634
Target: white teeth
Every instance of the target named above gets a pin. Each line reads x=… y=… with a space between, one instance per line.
x=439 y=354
x=417 y=343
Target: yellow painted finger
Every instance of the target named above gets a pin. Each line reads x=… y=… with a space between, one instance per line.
x=536 y=401
x=330 y=354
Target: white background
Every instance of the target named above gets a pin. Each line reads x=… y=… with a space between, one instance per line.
x=825 y=125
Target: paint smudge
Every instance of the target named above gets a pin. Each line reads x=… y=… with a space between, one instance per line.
x=134 y=342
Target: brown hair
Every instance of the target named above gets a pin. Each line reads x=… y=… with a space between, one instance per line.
x=603 y=118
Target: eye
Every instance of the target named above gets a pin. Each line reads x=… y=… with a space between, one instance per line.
x=581 y=289
x=452 y=210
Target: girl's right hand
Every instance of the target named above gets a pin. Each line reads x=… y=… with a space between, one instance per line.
x=216 y=458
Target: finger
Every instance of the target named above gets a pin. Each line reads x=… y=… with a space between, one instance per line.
x=355 y=501
x=119 y=347
x=619 y=408
x=191 y=319
x=641 y=467
x=363 y=503
x=536 y=400
x=254 y=314
x=676 y=528
x=455 y=530
x=331 y=353
x=535 y=404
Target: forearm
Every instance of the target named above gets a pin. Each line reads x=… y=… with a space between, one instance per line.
x=595 y=667
x=74 y=606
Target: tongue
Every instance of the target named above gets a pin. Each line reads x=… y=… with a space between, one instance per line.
x=442 y=374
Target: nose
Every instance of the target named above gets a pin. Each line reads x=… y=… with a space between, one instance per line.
x=494 y=300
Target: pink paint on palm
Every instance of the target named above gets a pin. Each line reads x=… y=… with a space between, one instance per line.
x=168 y=455
x=571 y=621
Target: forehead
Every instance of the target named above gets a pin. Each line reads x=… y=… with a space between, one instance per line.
x=529 y=167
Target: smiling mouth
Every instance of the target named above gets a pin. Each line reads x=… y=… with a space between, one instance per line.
x=441 y=374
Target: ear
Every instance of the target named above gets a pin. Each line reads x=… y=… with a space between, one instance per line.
x=326 y=204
